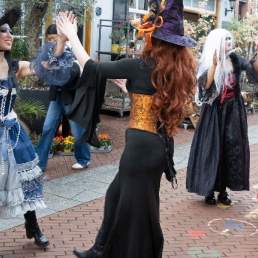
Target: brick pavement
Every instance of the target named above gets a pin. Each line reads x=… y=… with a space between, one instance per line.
x=191 y=228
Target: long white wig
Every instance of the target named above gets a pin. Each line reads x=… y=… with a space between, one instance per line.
x=216 y=40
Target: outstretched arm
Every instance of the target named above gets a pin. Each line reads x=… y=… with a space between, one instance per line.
x=24 y=66
x=24 y=70
x=67 y=24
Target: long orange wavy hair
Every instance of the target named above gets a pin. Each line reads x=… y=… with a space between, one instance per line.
x=175 y=79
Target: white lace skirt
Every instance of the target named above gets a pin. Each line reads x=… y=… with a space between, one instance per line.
x=21 y=180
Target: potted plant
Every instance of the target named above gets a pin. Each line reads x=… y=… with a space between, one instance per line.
x=68 y=144
x=63 y=145
x=29 y=110
x=57 y=144
x=117 y=37
x=105 y=142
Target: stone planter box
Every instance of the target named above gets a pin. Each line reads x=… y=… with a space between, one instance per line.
x=63 y=153
x=101 y=149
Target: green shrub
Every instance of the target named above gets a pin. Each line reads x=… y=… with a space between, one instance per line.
x=20 y=50
x=28 y=109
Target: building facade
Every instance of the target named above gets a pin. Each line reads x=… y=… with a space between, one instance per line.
x=124 y=10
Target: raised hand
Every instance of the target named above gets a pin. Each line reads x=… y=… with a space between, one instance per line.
x=67 y=24
x=60 y=34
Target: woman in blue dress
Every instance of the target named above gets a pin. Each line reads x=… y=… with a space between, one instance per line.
x=21 y=190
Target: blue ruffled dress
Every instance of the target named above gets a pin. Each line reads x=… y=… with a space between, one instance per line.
x=21 y=180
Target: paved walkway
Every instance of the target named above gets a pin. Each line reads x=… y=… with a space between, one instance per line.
x=75 y=203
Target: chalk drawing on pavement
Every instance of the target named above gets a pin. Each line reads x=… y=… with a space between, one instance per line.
x=203 y=252
x=232 y=227
x=196 y=234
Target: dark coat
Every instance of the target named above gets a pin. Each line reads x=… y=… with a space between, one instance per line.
x=68 y=90
x=87 y=103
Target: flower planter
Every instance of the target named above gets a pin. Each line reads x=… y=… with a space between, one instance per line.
x=102 y=149
x=64 y=153
x=67 y=150
x=63 y=146
x=115 y=48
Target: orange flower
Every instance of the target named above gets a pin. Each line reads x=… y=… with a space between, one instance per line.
x=57 y=144
x=60 y=143
x=105 y=140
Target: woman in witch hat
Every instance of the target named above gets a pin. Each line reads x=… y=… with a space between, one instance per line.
x=20 y=178
x=159 y=84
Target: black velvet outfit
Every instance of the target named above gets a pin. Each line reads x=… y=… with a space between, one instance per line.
x=219 y=155
x=131 y=227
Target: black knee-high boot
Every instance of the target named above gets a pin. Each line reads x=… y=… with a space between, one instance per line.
x=33 y=230
x=96 y=251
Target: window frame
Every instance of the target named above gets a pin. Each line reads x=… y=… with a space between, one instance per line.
x=187 y=7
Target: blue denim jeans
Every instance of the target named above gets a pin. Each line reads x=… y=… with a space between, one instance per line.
x=55 y=112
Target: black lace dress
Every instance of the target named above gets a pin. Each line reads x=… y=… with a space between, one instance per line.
x=219 y=155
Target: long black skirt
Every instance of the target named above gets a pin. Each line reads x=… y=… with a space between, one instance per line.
x=131 y=226
x=219 y=155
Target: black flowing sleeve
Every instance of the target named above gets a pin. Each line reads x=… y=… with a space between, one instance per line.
x=206 y=95
x=248 y=66
x=88 y=100
x=126 y=68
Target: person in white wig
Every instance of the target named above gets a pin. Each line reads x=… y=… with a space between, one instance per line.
x=219 y=156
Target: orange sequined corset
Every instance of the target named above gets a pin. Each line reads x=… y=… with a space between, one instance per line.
x=141 y=115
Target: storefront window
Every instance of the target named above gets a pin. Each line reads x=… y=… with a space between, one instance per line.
x=120 y=9
x=143 y=5
x=193 y=4
x=132 y=3
x=138 y=6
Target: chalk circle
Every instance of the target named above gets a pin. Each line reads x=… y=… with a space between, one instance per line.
x=232 y=227
x=203 y=252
